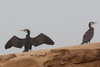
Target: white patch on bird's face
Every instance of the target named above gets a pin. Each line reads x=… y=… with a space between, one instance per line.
x=92 y=23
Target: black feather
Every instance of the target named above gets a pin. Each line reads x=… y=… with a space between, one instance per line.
x=16 y=42
x=41 y=39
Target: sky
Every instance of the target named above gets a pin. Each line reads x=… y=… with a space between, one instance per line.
x=64 y=21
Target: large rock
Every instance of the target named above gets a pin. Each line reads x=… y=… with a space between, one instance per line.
x=87 y=55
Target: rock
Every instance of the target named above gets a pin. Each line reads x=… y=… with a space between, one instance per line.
x=87 y=55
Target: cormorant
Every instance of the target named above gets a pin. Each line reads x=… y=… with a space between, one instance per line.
x=89 y=34
x=28 y=41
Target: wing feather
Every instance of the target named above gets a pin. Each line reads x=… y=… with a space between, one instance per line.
x=16 y=42
x=41 y=39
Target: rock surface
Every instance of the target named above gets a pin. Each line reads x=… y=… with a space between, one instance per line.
x=87 y=55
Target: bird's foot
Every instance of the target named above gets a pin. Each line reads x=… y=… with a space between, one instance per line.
x=25 y=51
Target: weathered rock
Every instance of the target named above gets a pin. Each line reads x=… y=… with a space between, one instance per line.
x=87 y=55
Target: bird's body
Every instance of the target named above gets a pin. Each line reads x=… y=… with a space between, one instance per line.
x=28 y=45
x=89 y=34
x=28 y=41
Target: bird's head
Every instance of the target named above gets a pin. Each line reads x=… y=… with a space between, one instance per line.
x=26 y=30
x=92 y=23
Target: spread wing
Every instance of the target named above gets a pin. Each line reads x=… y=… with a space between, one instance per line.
x=16 y=42
x=41 y=39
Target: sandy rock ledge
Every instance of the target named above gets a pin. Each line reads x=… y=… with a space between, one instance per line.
x=87 y=55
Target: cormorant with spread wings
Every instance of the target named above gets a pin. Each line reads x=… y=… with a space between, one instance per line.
x=28 y=41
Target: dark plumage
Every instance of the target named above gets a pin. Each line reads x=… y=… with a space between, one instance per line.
x=89 y=34
x=28 y=41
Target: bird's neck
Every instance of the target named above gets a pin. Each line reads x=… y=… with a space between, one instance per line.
x=90 y=26
x=28 y=34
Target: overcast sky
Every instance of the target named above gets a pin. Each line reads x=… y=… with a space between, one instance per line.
x=65 y=21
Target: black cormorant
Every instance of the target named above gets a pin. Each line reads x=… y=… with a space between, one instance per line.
x=89 y=34
x=28 y=41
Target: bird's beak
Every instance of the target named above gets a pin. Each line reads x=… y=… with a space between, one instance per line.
x=24 y=30
x=21 y=30
x=95 y=22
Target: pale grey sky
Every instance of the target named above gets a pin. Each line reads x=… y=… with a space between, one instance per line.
x=65 y=21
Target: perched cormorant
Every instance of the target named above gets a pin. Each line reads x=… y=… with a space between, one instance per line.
x=89 y=34
x=28 y=41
